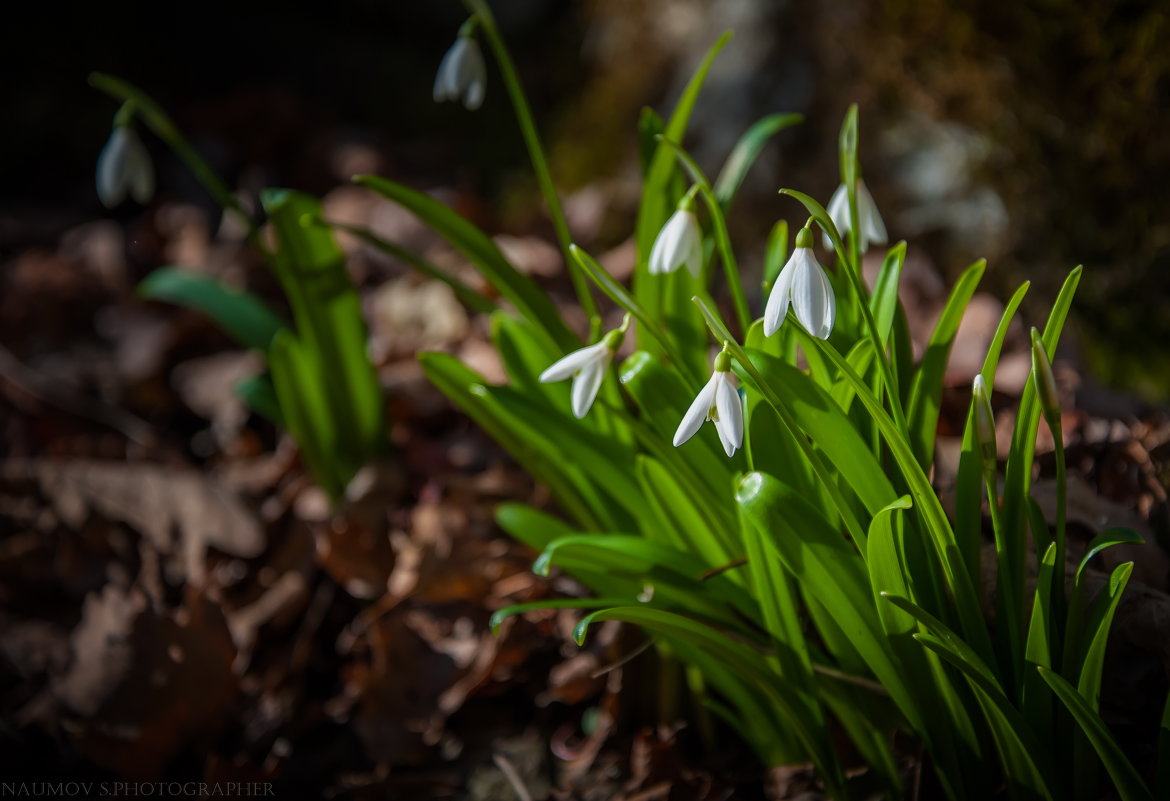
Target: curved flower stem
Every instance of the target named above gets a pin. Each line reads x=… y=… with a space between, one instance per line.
x=480 y=10
x=722 y=238
x=818 y=213
x=141 y=104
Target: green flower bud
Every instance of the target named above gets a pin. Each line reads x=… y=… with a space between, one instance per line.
x=1045 y=380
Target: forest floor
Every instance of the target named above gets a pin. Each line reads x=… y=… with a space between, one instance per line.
x=179 y=603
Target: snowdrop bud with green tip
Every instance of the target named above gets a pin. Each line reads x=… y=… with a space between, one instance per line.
x=804 y=284
x=719 y=402
x=868 y=218
x=984 y=422
x=587 y=368
x=124 y=167
x=462 y=73
x=679 y=242
x=1045 y=380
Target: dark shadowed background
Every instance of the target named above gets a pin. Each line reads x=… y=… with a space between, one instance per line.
x=1029 y=133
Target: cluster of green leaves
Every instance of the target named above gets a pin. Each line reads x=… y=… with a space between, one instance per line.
x=320 y=384
x=812 y=581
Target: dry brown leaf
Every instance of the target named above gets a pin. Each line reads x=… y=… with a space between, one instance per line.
x=145 y=685
x=154 y=500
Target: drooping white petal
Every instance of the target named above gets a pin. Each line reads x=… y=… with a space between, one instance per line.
x=574 y=362
x=724 y=440
x=692 y=246
x=585 y=386
x=139 y=169
x=473 y=96
x=830 y=304
x=462 y=74
x=780 y=296
x=838 y=210
x=446 y=85
x=111 y=168
x=697 y=413
x=872 y=227
x=730 y=410
x=678 y=243
x=473 y=75
x=812 y=297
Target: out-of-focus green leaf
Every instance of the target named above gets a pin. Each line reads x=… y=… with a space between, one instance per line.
x=745 y=153
x=305 y=409
x=534 y=528
x=244 y=317
x=650 y=127
x=775 y=253
x=468 y=296
x=473 y=243
x=328 y=317
x=259 y=394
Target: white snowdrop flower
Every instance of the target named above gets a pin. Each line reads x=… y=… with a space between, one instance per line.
x=868 y=218
x=719 y=402
x=587 y=368
x=462 y=74
x=123 y=167
x=804 y=284
x=679 y=243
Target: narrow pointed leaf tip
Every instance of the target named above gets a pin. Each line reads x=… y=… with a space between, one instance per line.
x=462 y=74
x=803 y=284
